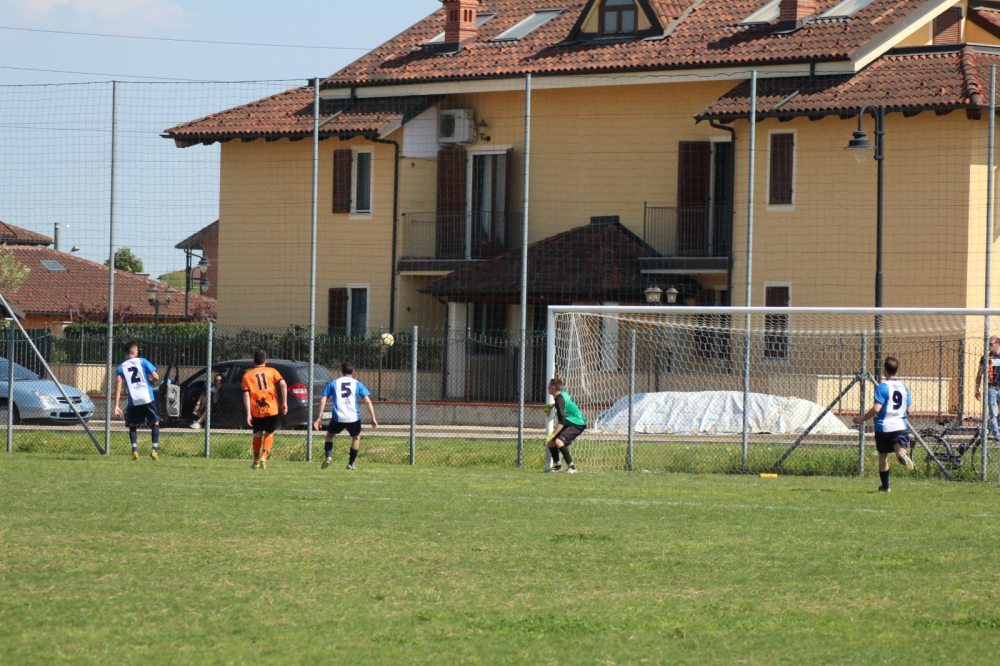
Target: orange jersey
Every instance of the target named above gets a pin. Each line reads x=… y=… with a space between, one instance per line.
x=261 y=383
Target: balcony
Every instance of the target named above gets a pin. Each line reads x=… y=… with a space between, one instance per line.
x=689 y=238
x=435 y=241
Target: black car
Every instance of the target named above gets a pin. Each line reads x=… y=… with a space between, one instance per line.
x=229 y=412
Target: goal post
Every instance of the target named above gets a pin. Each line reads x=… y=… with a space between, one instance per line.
x=686 y=399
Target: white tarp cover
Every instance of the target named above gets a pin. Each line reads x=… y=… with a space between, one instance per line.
x=718 y=413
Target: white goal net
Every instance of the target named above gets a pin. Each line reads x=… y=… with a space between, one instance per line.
x=760 y=389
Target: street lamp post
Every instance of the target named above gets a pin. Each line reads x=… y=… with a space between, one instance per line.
x=860 y=145
x=654 y=295
x=202 y=268
x=153 y=296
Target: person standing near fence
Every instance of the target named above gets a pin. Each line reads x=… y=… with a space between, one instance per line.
x=344 y=393
x=892 y=403
x=261 y=386
x=138 y=375
x=570 y=424
x=993 y=389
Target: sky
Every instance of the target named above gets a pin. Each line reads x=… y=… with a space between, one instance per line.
x=55 y=103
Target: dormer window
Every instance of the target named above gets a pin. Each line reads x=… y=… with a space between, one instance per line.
x=618 y=17
x=766 y=14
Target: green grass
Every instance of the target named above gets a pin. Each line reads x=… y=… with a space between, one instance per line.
x=193 y=561
x=697 y=456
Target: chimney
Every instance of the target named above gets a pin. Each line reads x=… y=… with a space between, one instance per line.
x=460 y=21
x=795 y=10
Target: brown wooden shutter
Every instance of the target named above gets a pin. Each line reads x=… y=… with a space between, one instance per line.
x=776 y=325
x=337 y=311
x=694 y=181
x=782 y=160
x=342 y=181
x=450 y=222
x=948 y=26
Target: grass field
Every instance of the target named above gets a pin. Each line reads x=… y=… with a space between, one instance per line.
x=194 y=561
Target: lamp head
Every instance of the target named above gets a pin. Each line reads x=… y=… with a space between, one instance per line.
x=860 y=145
x=671 y=295
x=653 y=295
x=151 y=293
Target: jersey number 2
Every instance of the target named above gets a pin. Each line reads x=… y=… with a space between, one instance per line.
x=134 y=371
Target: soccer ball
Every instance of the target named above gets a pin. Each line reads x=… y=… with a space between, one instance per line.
x=387 y=340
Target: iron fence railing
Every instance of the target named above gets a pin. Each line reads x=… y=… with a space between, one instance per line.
x=478 y=234
x=689 y=231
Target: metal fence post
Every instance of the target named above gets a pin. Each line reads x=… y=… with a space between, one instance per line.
x=10 y=386
x=209 y=385
x=109 y=366
x=413 y=396
x=863 y=381
x=631 y=399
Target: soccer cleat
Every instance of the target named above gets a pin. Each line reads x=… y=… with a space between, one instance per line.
x=883 y=489
x=255 y=465
x=135 y=454
x=571 y=469
x=263 y=463
x=154 y=454
x=195 y=425
x=906 y=460
x=326 y=463
x=352 y=466
x=554 y=469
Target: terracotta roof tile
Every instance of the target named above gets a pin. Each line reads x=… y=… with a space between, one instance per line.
x=708 y=36
x=12 y=235
x=598 y=260
x=291 y=114
x=197 y=239
x=939 y=80
x=84 y=287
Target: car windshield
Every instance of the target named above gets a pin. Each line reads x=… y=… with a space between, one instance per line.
x=20 y=372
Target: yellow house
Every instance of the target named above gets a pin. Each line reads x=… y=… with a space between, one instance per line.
x=638 y=121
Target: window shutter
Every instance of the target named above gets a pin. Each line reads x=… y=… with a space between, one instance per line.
x=782 y=157
x=450 y=223
x=948 y=26
x=337 y=311
x=342 y=181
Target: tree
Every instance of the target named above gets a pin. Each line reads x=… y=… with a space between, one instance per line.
x=125 y=260
x=12 y=272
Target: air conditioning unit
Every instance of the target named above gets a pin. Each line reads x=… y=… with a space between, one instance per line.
x=456 y=126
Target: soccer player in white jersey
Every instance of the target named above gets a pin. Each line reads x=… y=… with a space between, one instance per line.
x=138 y=375
x=892 y=402
x=345 y=393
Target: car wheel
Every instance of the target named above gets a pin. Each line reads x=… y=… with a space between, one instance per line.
x=17 y=416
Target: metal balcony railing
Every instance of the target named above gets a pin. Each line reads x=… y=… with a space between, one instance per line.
x=469 y=235
x=689 y=231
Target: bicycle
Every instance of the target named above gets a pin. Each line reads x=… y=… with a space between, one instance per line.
x=953 y=441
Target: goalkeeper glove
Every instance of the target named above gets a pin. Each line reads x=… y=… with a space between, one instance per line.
x=548 y=409
x=550 y=438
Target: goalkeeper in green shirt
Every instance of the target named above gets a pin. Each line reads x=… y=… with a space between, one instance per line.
x=570 y=424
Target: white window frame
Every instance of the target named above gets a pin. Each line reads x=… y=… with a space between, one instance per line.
x=350 y=304
x=788 y=348
x=470 y=155
x=795 y=167
x=355 y=213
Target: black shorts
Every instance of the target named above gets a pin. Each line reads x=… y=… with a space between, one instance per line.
x=353 y=429
x=266 y=424
x=569 y=433
x=885 y=442
x=137 y=415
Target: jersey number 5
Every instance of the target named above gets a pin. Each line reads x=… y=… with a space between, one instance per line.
x=345 y=391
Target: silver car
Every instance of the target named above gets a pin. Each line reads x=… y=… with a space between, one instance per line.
x=39 y=400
